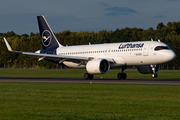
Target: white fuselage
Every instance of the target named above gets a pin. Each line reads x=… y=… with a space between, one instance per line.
x=124 y=54
x=99 y=58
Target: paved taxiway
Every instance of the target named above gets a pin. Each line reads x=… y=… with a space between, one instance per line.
x=94 y=81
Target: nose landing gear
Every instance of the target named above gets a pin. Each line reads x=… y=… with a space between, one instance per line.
x=154 y=75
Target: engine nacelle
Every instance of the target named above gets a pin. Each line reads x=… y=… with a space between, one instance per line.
x=98 y=66
x=146 y=69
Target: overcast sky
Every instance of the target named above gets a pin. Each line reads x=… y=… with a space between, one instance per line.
x=86 y=15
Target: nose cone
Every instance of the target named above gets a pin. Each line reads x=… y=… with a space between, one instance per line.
x=166 y=56
x=174 y=55
x=171 y=55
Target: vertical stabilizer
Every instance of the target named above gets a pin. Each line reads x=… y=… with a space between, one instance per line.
x=48 y=38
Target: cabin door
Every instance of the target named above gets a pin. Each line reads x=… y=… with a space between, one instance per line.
x=145 y=49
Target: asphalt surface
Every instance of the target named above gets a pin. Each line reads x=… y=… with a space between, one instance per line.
x=94 y=81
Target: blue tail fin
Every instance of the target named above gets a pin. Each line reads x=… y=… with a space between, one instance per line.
x=48 y=38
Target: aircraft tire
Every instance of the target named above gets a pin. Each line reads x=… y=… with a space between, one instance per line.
x=88 y=76
x=91 y=76
x=121 y=76
x=154 y=75
x=124 y=75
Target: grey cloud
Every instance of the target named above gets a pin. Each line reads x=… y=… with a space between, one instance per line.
x=120 y=11
x=116 y=14
x=112 y=14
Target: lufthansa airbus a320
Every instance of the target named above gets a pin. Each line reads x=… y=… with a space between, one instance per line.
x=99 y=58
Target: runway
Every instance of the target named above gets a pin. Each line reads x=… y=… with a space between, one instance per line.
x=94 y=81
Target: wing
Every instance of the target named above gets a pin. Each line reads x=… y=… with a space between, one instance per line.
x=59 y=58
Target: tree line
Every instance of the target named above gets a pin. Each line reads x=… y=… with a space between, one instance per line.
x=169 y=34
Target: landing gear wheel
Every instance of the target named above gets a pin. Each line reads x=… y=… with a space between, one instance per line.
x=91 y=76
x=88 y=76
x=154 y=75
x=124 y=76
x=121 y=76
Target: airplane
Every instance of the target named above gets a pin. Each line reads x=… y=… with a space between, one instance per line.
x=100 y=58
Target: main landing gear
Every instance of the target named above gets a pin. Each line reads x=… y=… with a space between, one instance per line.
x=88 y=76
x=122 y=75
x=154 y=75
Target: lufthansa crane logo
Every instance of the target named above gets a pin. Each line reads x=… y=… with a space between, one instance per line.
x=46 y=38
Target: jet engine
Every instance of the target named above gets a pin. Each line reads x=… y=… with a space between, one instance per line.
x=97 y=66
x=147 y=69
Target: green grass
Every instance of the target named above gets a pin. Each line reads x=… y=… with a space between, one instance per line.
x=39 y=101
x=79 y=73
x=87 y=101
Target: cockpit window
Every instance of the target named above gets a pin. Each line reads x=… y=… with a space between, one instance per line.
x=161 y=48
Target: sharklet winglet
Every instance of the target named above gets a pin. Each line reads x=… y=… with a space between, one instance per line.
x=8 y=46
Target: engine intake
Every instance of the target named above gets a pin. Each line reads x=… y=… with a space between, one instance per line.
x=146 y=69
x=98 y=66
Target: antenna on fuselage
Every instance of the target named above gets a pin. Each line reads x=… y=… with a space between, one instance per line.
x=151 y=39
x=159 y=40
x=89 y=43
